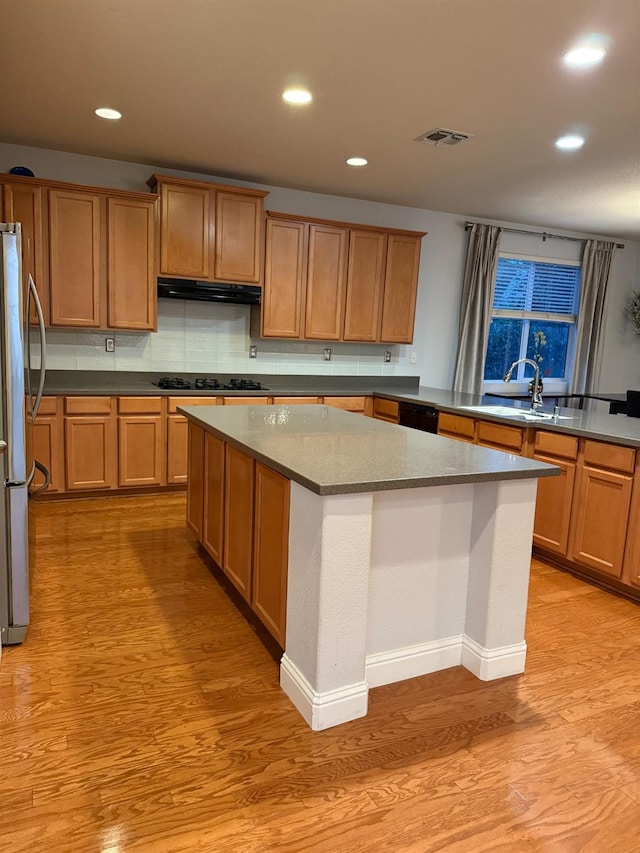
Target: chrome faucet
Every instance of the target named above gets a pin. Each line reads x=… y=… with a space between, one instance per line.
x=536 y=396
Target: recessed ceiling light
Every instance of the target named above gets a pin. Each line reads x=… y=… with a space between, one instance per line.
x=357 y=161
x=588 y=52
x=107 y=112
x=297 y=96
x=569 y=143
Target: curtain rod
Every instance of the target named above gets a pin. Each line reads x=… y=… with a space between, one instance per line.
x=543 y=234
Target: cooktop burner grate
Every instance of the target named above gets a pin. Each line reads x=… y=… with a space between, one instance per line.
x=204 y=383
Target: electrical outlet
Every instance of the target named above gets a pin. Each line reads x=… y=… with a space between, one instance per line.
x=109 y=344
x=413 y=358
x=327 y=353
x=387 y=355
x=253 y=351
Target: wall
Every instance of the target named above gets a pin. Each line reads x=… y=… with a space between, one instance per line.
x=210 y=338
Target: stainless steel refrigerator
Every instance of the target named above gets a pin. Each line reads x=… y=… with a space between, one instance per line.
x=16 y=404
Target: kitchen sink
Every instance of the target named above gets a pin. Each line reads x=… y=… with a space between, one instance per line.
x=516 y=414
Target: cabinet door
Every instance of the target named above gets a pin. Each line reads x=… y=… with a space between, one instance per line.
x=238 y=241
x=365 y=278
x=186 y=225
x=90 y=452
x=47 y=443
x=553 y=506
x=238 y=520
x=140 y=450
x=271 y=550
x=400 y=288
x=74 y=249
x=131 y=280
x=177 y=442
x=213 y=516
x=599 y=521
x=195 y=490
x=284 y=279
x=23 y=204
x=326 y=277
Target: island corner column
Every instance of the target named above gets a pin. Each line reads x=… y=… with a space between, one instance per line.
x=323 y=667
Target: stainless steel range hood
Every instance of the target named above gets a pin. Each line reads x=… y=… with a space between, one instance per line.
x=209 y=291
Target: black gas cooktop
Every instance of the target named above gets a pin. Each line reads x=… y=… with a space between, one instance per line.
x=177 y=383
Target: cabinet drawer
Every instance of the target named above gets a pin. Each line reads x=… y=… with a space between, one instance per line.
x=458 y=426
x=295 y=401
x=385 y=408
x=612 y=456
x=174 y=402
x=554 y=444
x=139 y=405
x=48 y=406
x=245 y=401
x=87 y=405
x=497 y=435
x=349 y=404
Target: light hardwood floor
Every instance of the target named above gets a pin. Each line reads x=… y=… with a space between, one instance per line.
x=143 y=713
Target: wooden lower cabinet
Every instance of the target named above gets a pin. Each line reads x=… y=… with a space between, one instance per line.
x=386 y=410
x=501 y=437
x=213 y=510
x=358 y=405
x=141 y=441
x=456 y=426
x=555 y=494
x=295 y=401
x=238 y=520
x=90 y=459
x=271 y=550
x=46 y=437
x=177 y=443
x=601 y=506
x=242 y=507
x=195 y=466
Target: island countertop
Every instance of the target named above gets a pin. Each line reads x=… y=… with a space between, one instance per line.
x=331 y=452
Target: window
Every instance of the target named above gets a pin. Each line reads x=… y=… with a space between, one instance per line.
x=534 y=316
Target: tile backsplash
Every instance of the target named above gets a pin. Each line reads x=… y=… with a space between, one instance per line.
x=196 y=337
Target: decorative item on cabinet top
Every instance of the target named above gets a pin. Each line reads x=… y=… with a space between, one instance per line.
x=338 y=281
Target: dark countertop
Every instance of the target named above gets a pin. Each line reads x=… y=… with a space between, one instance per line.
x=331 y=452
x=617 y=429
x=134 y=383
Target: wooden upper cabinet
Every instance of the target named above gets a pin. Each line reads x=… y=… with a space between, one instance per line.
x=209 y=232
x=349 y=282
x=400 y=288
x=186 y=226
x=238 y=241
x=23 y=203
x=326 y=277
x=131 y=280
x=284 y=279
x=365 y=280
x=75 y=263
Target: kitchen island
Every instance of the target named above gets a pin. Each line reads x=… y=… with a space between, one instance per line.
x=400 y=552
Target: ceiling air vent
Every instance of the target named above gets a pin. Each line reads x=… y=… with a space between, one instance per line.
x=442 y=136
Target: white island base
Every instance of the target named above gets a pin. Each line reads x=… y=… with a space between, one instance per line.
x=389 y=585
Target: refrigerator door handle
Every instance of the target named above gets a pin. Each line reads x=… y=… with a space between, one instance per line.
x=35 y=408
x=47 y=478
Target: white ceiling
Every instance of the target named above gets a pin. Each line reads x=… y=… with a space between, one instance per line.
x=199 y=85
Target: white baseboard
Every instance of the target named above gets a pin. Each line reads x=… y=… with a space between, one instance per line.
x=412 y=661
x=487 y=664
x=322 y=710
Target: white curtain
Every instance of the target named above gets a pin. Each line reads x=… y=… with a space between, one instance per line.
x=476 y=306
x=596 y=263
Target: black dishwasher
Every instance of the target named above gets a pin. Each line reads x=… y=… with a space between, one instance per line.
x=418 y=416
